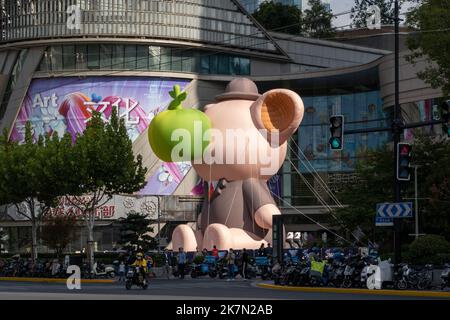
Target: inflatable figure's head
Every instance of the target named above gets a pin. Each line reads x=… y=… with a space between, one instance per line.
x=250 y=131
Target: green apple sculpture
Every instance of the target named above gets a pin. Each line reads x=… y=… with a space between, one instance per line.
x=179 y=128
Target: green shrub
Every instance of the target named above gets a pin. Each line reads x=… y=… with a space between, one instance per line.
x=429 y=249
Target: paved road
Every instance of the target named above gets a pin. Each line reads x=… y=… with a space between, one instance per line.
x=188 y=289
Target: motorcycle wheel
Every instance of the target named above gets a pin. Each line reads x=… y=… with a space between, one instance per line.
x=145 y=286
x=128 y=285
x=221 y=276
x=213 y=274
x=347 y=284
x=422 y=284
x=112 y=275
x=193 y=274
x=402 y=285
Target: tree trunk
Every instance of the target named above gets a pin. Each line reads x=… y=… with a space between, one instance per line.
x=34 y=246
x=34 y=230
x=90 y=243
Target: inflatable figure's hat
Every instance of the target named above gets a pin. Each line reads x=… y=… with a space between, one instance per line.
x=240 y=88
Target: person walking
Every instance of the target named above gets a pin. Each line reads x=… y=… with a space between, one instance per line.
x=122 y=271
x=181 y=262
x=230 y=262
x=215 y=252
x=245 y=260
x=167 y=263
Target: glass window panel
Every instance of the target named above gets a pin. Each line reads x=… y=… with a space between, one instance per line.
x=142 y=57
x=204 y=63
x=93 y=56
x=81 y=57
x=213 y=62
x=130 y=57
x=245 y=66
x=223 y=64
x=69 y=61
x=189 y=61
x=118 y=57
x=154 y=58
x=56 y=57
x=177 y=59
x=165 y=59
x=234 y=65
x=105 y=56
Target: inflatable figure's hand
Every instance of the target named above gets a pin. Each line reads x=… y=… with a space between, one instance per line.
x=258 y=198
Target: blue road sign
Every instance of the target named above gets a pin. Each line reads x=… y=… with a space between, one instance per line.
x=384 y=222
x=395 y=210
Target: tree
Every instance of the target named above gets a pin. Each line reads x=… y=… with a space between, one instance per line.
x=433 y=156
x=317 y=21
x=360 y=14
x=32 y=176
x=58 y=232
x=374 y=184
x=278 y=17
x=432 y=20
x=106 y=166
x=134 y=230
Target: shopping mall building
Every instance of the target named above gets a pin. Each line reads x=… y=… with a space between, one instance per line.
x=59 y=56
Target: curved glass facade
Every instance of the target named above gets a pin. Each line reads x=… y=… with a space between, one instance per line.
x=361 y=110
x=311 y=154
x=211 y=21
x=143 y=58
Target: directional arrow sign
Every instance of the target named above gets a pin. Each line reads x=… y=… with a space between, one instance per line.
x=395 y=210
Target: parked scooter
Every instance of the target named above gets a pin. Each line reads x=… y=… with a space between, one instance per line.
x=445 y=277
x=99 y=270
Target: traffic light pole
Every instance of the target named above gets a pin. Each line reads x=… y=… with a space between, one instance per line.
x=397 y=128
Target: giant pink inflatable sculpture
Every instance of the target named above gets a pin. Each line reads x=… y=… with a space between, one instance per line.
x=239 y=213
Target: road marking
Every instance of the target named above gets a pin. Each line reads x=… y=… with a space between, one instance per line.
x=408 y=293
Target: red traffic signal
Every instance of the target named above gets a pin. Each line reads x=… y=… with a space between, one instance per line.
x=404 y=158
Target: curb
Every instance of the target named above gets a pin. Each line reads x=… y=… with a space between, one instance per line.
x=407 y=293
x=49 y=280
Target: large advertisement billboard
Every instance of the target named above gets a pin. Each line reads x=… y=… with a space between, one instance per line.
x=65 y=104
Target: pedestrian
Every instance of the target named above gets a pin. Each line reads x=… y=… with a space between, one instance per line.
x=167 y=263
x=261 y=251
x=269 y=250
x=122 y=271
x=215 y=252
x=181 y=262
x=230 y=262
x=245 y=260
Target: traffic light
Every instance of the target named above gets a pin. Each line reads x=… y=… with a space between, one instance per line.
x=404 y=162
x=446 y=117
x=337 y=133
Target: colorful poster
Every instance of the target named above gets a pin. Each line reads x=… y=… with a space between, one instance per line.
x=65 y=105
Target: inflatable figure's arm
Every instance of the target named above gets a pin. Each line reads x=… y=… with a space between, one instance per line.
x=260 y=202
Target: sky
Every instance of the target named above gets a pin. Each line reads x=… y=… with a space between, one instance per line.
x=339 y=6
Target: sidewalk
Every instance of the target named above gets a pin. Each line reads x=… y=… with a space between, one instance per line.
x=406 y=293
x=54 y=280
